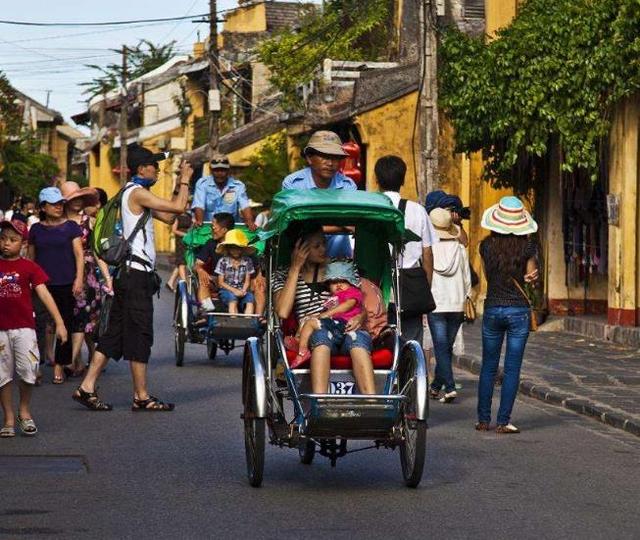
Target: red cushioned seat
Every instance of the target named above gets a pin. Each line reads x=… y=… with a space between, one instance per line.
x=381 y=358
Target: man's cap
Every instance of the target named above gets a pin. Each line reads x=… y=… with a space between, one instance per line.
x=219 y=161
x=51 y=195
x=139 y=155
x=326 y=142
x=19 y=226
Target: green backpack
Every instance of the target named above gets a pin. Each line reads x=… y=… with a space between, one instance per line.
x=107 y=240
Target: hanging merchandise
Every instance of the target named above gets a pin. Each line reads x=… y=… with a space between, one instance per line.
x=584 y=228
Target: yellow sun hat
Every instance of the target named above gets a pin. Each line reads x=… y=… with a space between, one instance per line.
x=235 y=238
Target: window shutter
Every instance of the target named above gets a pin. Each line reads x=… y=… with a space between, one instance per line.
x=474 y=9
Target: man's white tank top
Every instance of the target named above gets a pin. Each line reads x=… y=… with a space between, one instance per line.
x=139 y=247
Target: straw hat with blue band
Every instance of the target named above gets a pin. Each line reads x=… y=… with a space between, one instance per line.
x=509 y=217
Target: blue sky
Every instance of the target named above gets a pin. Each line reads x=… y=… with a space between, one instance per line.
x=37 y=59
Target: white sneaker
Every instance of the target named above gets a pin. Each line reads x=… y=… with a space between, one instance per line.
x=448 y=397
x=207 y=305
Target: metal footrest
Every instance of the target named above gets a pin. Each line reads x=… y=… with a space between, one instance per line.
x=350 y=417
x=225 y=326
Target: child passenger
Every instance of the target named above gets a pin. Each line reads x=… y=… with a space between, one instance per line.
x=18 y=344
x=234 y=271
x=345 y=303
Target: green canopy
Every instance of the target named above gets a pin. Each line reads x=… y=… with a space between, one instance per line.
x=377 y=221
x=335 y=207
x=197 y=237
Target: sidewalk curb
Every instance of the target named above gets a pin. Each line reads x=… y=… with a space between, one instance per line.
x=568 y=401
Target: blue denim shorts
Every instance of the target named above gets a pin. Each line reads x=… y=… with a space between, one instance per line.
x=227 y=297
x=340 y=343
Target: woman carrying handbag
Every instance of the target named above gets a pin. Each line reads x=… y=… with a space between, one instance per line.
x=509 y=259
x=450 y=287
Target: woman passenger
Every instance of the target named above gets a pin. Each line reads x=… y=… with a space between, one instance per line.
x=299 y=288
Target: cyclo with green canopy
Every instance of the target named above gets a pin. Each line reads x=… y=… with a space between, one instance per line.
x=277 y=400
x=217 y=329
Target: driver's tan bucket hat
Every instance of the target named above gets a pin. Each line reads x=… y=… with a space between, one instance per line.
x=326 y=142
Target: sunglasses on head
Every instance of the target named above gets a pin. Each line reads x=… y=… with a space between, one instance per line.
x=219 y=162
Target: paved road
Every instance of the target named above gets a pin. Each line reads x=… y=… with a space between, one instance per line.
x=181 y=475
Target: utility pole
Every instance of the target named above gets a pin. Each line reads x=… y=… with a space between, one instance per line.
x=124 y=113
x=214 y=69
x=428 y=117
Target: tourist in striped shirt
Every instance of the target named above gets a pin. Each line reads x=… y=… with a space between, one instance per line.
x=300 y=289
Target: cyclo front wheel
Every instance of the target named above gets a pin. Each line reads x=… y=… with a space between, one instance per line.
x=254 y=426
x=412 y=381
x=307 y=451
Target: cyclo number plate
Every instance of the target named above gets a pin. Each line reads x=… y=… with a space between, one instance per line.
x=341 y=387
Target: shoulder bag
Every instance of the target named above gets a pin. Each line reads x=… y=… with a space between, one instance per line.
x=415 y=289
x=533 y=322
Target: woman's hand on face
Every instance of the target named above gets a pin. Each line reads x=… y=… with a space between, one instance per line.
x=532 y=276
x=300 y=254
x=355 y=323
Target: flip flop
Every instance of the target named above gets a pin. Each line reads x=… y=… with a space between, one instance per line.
x=58 y=379
x=27 y=426
x=7 y=432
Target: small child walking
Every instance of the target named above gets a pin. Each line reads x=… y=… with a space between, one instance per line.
x=234 y=271
x=345 y=303
x=18 y=343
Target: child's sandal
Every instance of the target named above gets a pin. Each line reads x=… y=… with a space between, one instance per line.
x=300 y=359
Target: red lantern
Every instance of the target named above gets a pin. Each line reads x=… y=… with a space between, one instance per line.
x=350 y=165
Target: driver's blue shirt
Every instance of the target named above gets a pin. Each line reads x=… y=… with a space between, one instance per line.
x=338 y=245
x=232 y=198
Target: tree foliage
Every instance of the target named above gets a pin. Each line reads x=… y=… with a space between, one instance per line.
x=345 y=30
x=554 y=74
x=143 y=58
x=268 y=166
x=22 y=165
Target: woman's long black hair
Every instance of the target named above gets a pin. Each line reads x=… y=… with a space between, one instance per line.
x=507 y=252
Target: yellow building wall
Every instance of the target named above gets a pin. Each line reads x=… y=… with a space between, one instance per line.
x=499 y=14
x=388 y=130
x=246 y=19
x=624 y=240
x=59 y=152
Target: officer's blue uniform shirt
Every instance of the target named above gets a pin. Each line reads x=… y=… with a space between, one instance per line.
x=338 y=245
x=212 y=200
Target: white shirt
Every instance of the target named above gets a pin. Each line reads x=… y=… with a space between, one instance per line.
x=451 y=282
x=417 y=220
x=139 y=247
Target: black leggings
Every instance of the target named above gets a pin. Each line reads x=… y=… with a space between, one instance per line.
x=64 y=299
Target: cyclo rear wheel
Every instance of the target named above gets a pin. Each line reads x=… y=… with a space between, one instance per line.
x=180 y=332
x=414 y=431
x=254 y=426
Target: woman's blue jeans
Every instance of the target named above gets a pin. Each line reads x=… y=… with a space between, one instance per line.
x=496 y=322
x=444 y=327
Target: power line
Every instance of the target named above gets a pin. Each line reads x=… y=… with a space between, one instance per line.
x=109 y=23
x=79 y=34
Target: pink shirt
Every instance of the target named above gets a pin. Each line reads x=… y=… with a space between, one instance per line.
x=352 y=293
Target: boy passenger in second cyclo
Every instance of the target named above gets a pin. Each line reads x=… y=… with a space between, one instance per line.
x=207 y=258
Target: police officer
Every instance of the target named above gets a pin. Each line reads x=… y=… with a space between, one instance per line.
x=220 y=192
x=323 y=154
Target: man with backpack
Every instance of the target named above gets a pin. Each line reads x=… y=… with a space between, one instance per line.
x=129 y=331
